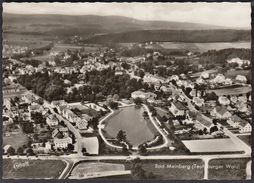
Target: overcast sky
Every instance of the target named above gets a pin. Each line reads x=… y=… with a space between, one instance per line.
x=224 y=14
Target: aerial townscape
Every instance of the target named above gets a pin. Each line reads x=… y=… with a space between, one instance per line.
x=136 y=104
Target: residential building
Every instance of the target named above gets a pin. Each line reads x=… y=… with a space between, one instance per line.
x=245 y=127
x=56 y=103
x=62 y=143
x=220 y=112
x=13 y=89
x=142 y=95
x=234 y=121
x=52 y=120
x=177 y=108
x=69 y=115
x=95 y=107
x=34 y=107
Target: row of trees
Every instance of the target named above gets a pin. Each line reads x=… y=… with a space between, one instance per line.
x=20 y=151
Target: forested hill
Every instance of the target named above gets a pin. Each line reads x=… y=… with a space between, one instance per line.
x=223 y=35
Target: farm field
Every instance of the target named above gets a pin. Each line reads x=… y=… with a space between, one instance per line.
x=246 y=139
x=212 y=145
x=227 y=169
x=30 y=41
x=59 y=47
x=87 y=169
x=171 y=169
x=32 y=169
x=203 y=47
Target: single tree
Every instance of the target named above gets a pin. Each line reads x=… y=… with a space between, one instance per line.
x=20 y=151
x=142 y=150
x=121 y=136
x=29 y=152
x=11 y=151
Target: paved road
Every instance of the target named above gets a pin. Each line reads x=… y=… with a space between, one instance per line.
x=76 y=158
x=248 y=170
x=69 y=125
x=166 y=141
x=100 y=127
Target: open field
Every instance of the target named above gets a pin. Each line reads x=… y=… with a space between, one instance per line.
x=16 y=140
x=171 y=169
x=30 y=41
x=89 y=169
x=88 y=48
x=228 y=169
x=32 y=169
x=212 y=145
x=246 y=139
x=203 y=47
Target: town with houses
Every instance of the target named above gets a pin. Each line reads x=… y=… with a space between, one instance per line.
x=125 y=111
x=185 y=109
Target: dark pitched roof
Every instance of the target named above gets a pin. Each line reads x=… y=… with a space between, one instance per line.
x=243 y=123
x=202 y=120
x=179 y=105
x=236 y=118
x=221 y=110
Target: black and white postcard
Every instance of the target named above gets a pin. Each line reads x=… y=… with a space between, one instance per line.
x=127 y=91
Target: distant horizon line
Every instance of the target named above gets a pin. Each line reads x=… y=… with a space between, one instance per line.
x=223 y=27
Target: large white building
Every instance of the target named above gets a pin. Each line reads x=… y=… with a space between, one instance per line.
x=62 y=143
x=142 y=95
x=177 y=108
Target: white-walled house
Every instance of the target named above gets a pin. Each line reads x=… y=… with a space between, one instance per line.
x=56 y=103
x=142 y=95
x=52 y=120
x=95 y=107
x=177 y=108
x=62 y=143
x=234 y=121
x=220 y=112
x=245 y=127
x=69 y=115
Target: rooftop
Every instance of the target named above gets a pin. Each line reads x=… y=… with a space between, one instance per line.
x=179 y=105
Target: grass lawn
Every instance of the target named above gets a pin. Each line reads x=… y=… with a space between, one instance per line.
x=227 y=169
x=16 y=140
x=246 y=139
x=171 y=169
x=32 y=169
x=87 y=168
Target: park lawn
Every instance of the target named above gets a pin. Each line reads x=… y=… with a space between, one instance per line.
x=16 y=140
x=227 y=169
x=183 y=169
x=246 y=139
x=32 y=169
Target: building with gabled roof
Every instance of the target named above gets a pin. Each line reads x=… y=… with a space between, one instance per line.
x=220 y=112
x=52 y=120
x=177 y=108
